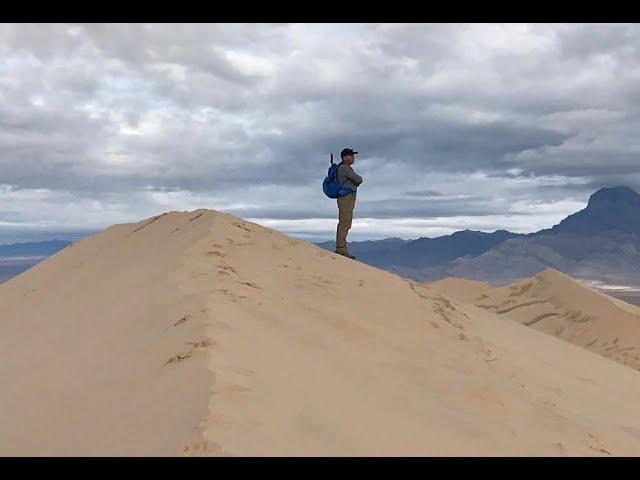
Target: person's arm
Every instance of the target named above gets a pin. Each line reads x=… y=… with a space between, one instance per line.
x=351 y=175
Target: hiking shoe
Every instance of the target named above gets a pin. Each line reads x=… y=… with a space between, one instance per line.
x=346 y=254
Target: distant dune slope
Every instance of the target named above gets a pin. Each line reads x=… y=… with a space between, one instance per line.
x=460 y=288
x=559 y=305
x=199 y=333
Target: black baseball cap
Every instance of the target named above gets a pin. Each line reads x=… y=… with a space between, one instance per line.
x=347 y=151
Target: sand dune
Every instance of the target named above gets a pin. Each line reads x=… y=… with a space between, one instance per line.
x=557 y=304
x=199 y=333
x=460 y=288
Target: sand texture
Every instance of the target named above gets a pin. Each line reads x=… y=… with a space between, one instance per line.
x=197 y=333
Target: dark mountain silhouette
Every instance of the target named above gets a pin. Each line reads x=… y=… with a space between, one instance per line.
x=600 y=242
x=609 y=209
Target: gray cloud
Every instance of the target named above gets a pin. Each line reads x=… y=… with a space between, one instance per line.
x=513 y=123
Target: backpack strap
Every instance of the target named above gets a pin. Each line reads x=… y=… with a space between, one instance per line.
x=337 y=173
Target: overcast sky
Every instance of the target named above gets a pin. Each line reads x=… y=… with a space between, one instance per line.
x=458 y=126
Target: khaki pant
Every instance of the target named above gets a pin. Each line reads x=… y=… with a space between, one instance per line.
x=346 y=205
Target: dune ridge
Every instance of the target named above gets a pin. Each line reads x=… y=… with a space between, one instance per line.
x=555 y=303
x=197 y=333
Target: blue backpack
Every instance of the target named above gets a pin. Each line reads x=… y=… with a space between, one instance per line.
x=331 y=186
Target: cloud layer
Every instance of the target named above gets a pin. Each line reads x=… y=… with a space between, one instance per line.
x=458 y=126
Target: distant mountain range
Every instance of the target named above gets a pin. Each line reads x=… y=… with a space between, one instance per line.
x=424 y=252
x=32 y=249
x=17 y=257
x=600 y=243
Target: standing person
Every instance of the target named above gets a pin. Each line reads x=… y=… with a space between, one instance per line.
x=346 y=204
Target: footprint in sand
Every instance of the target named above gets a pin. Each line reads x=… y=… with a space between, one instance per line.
x=242 y=227
x=180 y=357
x=182 y=320
x=201 y=344
x=594 y=444
x=251 y=284
x=233 y=243
x=227 y=270
x=203 y=447
x=193 y=347
x=233 y=296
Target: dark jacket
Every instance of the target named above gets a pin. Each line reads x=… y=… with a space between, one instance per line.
x=347 y=177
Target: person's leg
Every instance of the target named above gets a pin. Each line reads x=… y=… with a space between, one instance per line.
x=341 y=231
x=346 y=206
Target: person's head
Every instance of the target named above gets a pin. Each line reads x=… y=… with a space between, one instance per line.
x=348 y=156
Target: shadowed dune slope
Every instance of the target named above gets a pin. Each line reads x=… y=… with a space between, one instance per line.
x=198 y=333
